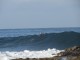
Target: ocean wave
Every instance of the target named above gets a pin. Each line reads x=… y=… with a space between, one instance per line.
x=7 y=55
x=42 y=41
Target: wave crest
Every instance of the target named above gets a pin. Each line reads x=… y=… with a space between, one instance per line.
x=43 y=41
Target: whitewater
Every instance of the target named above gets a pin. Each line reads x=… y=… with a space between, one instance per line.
x=30 y=43
x=9 y=55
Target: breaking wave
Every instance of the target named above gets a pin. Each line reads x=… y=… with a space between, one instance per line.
x=29 y=54
x=40 y=42
x=36 y=46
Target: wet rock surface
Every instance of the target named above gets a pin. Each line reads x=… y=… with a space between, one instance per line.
x=74 y=51
x=54 y=58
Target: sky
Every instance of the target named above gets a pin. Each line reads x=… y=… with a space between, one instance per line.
x=39 y=13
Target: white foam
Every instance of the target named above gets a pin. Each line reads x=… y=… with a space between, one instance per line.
x=7 y=55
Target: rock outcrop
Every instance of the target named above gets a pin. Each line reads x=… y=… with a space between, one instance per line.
x=74 y=51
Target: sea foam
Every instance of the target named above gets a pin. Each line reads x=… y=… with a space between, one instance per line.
x=7 y=55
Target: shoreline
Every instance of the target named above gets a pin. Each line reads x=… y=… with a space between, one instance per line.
x=53 y=58
x=72 y=53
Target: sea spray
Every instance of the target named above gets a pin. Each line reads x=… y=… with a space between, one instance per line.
x=7 y=55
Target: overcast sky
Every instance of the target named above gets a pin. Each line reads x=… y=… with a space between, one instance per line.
x=39 y=13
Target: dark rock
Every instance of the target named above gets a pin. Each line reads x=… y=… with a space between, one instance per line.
x=74 y=51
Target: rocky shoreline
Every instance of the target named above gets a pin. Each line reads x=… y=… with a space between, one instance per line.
x=54 y=58
x=72 y=53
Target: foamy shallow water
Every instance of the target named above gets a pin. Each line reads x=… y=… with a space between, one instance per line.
x=7 y=55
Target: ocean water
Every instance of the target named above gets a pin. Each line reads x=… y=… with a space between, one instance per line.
x=24 y=32
x=36 y=43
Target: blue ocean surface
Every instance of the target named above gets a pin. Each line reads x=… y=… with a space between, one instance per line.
x=38 y=38
x=32 y=31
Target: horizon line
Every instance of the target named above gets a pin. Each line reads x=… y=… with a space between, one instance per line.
x=38 y=28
